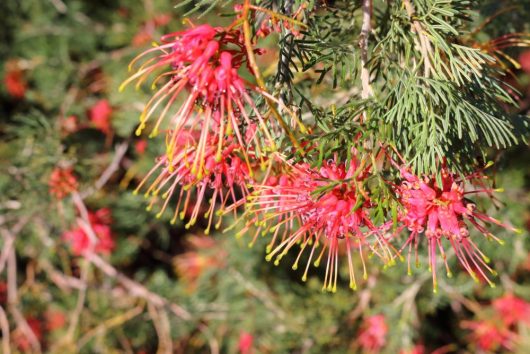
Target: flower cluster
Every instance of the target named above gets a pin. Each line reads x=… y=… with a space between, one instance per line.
x=201 y=65
x=440 y=211
x=215 y=133
x=80 y=240
x=318 y=207
x=216 y=137
x=213 y=167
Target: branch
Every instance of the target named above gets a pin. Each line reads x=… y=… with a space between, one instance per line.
x=366 y=29
x=424 y=43
x=108 y=324
x=134 y=288
x=12 y=300
x=120 y=151
x=261 y=83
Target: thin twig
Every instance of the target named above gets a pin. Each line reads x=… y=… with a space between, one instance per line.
x=62 y=281
x=12 y=300
x=76 y=315
x=84 y=223
x=424 y=43
x=258 y=294
x=9 y=239
x=108 y=324
x=366 y=29
x=134 y=288
x=247 y=32
x=161 y=324
x=119 y=153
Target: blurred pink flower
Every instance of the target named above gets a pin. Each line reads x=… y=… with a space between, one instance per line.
x=372 y=337
x=490 y=335
x=80 y=241
x=21 y=340
x=245 y=343
x=512 y=309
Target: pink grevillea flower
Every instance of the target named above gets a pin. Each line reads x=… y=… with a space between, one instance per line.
x=372 y=337
x=62 y=182
x=512 y=310
x=81 y=242
x=490 y=336
x=311 y=207
x=198 y=68
x=440 y=211
x=196 y=171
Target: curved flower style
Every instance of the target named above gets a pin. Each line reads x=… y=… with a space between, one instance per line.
x=441 y=211
x=198 y=168
x=330 y=208
x=200 y=65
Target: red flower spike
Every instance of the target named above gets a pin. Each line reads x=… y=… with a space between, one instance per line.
x=372 y=337
x=330 y=208
x=197 y=168
x=442 y=212
x=201 y=64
